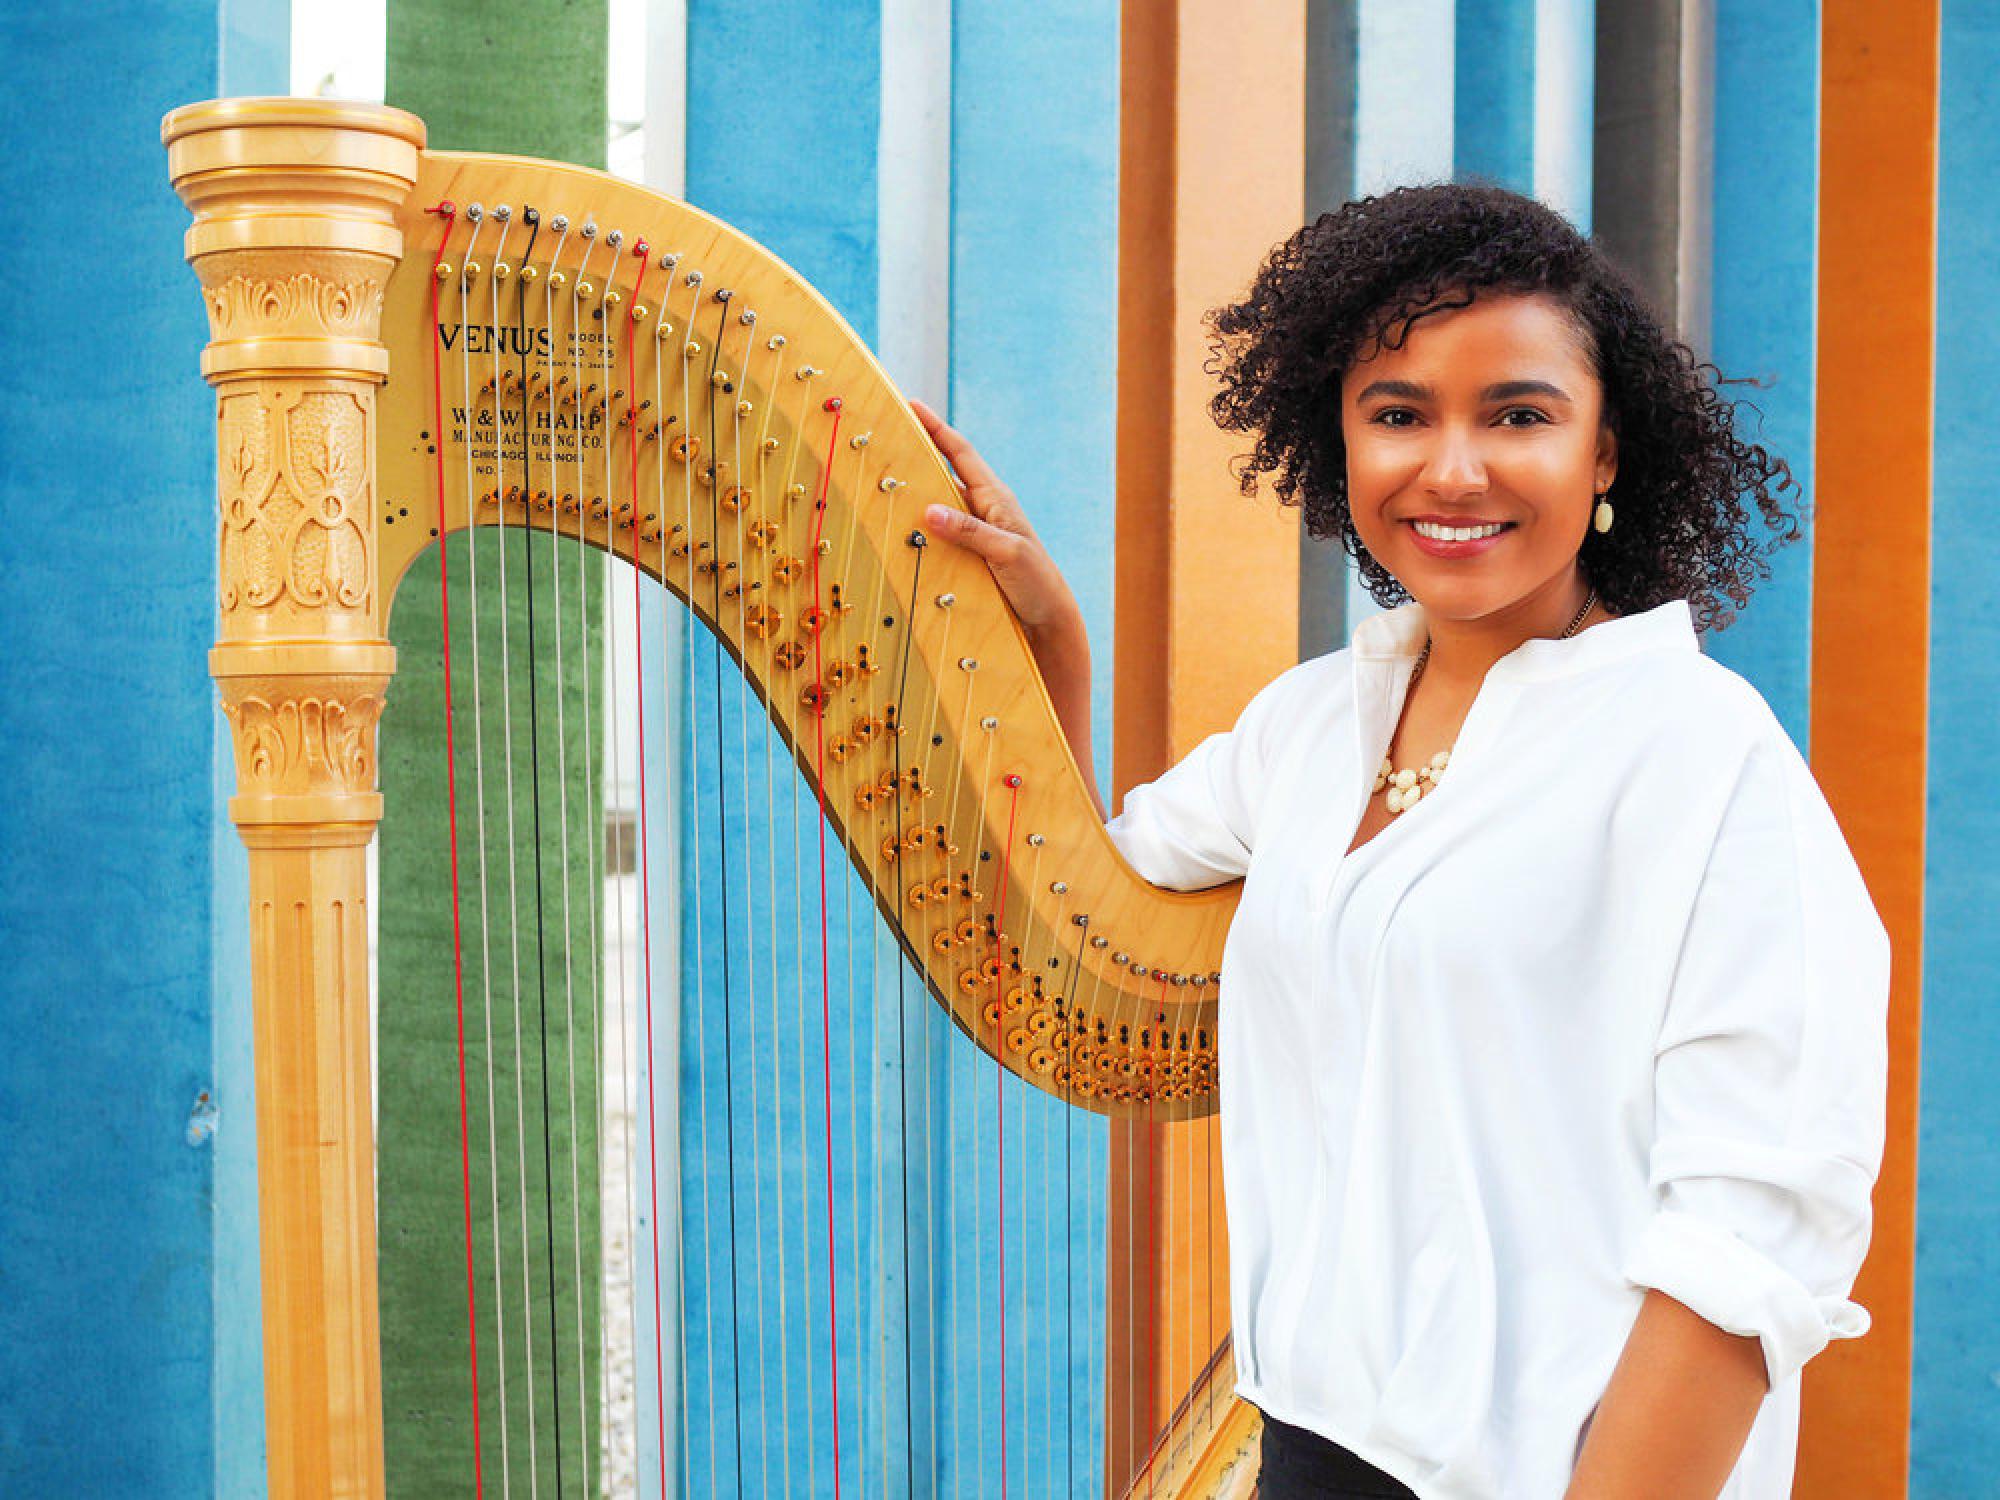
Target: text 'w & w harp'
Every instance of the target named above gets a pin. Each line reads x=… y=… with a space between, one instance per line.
x=406 y=346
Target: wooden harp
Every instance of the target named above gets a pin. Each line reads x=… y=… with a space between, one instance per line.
x=747 y=454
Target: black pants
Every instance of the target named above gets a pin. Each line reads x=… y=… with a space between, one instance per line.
x=1300 y=1465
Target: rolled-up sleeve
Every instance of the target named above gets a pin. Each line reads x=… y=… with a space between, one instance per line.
x=1770 y=1081
x=1195 y=826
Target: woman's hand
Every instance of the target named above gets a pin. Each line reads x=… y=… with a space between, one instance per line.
x=995 y=528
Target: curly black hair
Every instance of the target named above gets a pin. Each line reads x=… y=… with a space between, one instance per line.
x=1361 y=275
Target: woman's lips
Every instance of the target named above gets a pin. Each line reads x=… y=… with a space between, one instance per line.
x=1436 y=547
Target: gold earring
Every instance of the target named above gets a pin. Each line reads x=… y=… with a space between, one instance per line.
x=1601 y=517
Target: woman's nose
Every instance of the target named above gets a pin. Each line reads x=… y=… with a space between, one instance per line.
x=1454 y=464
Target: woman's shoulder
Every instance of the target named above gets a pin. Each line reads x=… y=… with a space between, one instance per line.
x=1314 y=690
x=1700 y=707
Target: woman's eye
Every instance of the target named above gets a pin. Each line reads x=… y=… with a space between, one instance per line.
x=1535 y=418
x=1389 y=415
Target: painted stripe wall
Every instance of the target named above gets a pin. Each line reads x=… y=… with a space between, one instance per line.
x=893 y=151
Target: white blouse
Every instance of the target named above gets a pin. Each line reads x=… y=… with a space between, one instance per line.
x=1605 y=1011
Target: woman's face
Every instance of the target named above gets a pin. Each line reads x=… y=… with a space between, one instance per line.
x=1487 y=415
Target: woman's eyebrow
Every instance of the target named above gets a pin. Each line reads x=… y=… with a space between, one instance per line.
x=1505 y=390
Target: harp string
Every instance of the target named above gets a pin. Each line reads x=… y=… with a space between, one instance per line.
x=685 y=1395
x=771 y=389
x=731 y=385
x=615 y=1434
x=868 y=668
x=833 y=407
x=688 y=455
x=936 y=838
x=473 y=399
x=554 y=497
x=619 y=1440
x=449 y=214
x=987 y=726
x=783 y=497
x=999 y=1085
x=494 y=385
x=715 y=568
x=708 y=474
x=1043 y=1259
x=898 y=871
x=528 y=549
x=595 y=865
x=829 y=613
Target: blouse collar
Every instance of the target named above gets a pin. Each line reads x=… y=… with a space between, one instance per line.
x=1398 y=634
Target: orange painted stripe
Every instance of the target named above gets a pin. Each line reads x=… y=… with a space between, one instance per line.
x=1870 y=634
x=1212 y=175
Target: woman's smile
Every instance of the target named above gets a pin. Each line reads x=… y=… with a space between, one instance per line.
x=1460 y=539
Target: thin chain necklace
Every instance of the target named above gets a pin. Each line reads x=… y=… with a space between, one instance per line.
x=1408 y=786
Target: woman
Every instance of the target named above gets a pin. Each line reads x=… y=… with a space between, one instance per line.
x=1553 y=1052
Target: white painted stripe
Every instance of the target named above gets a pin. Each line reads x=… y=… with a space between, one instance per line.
x=913 y=198
x=1405 y=78
x=662 y=62
x=647 y=97
x=1565 y=81
x=340 y=49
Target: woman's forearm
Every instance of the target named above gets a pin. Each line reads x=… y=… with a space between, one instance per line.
x=1676 y=1412
x=1062 y=653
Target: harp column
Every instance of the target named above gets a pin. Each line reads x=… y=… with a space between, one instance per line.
x=293 y=240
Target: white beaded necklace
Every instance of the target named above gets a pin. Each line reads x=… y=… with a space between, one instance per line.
x=1408 y=786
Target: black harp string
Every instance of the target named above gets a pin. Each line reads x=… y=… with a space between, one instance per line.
x=533 y=221
x=935 y=1141
x=898 y=871
x=722 y=821
x=830 y=613
x=768 y=739
x=500 y=499
x=866 y=669
x=743 y=693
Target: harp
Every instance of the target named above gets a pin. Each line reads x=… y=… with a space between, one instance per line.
x=384 y=320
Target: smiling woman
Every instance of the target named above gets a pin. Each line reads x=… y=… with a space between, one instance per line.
x=1549 y=1120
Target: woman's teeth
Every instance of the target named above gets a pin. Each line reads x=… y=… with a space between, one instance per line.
x=1457 y=533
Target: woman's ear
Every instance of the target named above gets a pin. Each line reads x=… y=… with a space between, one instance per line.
x=1607 y=457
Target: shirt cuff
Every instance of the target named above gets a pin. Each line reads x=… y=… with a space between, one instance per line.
x=1740 y=1290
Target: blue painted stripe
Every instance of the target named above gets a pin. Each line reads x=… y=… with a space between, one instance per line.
x=108 y=1345
x=1034 y=241
x=1955 y=1425
x=1493 y=111
x=256 y=43
x=1762 y=271
x=791 y=160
